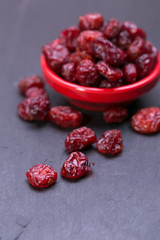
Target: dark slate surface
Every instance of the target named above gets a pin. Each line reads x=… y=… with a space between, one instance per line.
x=121 y=199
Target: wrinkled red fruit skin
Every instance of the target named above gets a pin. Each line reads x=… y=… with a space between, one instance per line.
x=130 y=73
x=68 y=38
x=145 y=64
x=111 y=73
x=108 y=52
x=136 y=48
x=124 y=40
x=86 y=38
x=87 y=74
x=68 y=72
x=110 y=142
x=79 y=139
x=29 y=82
x=110 y=84
x=41 y=176
x=133 y=30
x=75 y=166
x=56 y=55
x=34 y=108
x=35 y=92
x=146 y=120
x=115 y=115
x=90 y=21
x=112 y=29
x=65 y=116
x=78 y=56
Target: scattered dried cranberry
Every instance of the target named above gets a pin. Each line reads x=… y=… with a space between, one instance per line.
x=111 y=73
x=136 y=48
x=86 y=39
x=34 y=108
x=110 y=84
x=112 y=29
x=41 y=176
x=115 y=115
x=35 y=92
x=130 y=73
x=75 y=166
x=68 y=37
x=65 y=116
x=110 y=142
x=124 y=40
x=90 y=21
x=78 y=56
x=133 y=30
x=87 y=74
x=79 y=139
x=56 y=55
x=69 y=72
x=146 y=120
x=145 y=64
x=29 y=82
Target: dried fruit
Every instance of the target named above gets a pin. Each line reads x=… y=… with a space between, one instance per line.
x=78 y=56
x=75 y=166
x=79 y=139
x=110 y=142
x=29 y=82
x=136 y=48
x=112 y=29
x=111 y=73
x=41 y=176
x=90 y=21
x=145 y=64
x=133 y=30
x=87 y=74
x=35 y=92
x=34 y=108
x=110 y=84
x=146 y=120
x=65 y=116
x=68 y=37
x=56 y=55
x=130 y=73
x=115 y=115
x=69 y=72
x=124 y=40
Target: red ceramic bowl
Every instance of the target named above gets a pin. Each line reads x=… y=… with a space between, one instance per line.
x=99 y=99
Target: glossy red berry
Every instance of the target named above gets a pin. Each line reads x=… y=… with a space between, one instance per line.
x=41 y=176
x=112 y=84
x=35 y=92
x=75 y=166
x=130 y=73
x=133 y=30
x=68 y=37
x=115 y=115
x=145 y=64
x=78 y=56
x=110 y=142
x=65 y=116
x=79 y=139
x=112 y=29
x=68 y=72
x=124 y=40
x=136 y=48
x=90 y=21
x=29 y=82
x=146 y=120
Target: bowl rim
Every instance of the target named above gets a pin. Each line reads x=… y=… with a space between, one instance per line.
x=133 y=86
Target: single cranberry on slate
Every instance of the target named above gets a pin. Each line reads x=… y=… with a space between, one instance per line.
x=68 y=72
x=90 y=21
x=68 y=37
x=133 y=30
x=65 y=116
x=56 y=55
x=80 y=138
x=75 y=166
x=29 y=82
x=146 y=120
x=41 y=176
x=110 y=142
x=145 y=64
x=35 y=92
x=130 y=73
x=136 y=48
x=112 y=28
x=115 y=115
x=78 y=56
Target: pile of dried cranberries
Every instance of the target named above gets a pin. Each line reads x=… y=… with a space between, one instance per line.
x=101 y=53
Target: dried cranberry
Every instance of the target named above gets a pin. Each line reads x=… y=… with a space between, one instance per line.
x=65 y=116
x=110 y=142
x=146 y=120
x=111 y=73
x=75 y=166
x=86 y=39
x=136 y=48
x=87 y=74
x=35 y=92
x=145 y=64
x=107 y=51
x=124 y=40
x=78 y=56
x=79 y=139
x=29 y=82
x=115 y=115
x=69 y=72
x=110 y=84
x=147 y=47
x=34 y=108
x=112 y=29
x=154 y=53
x=68 y=37
x=41 y=176
x=130 y=72
x=90 y=21
x=133 y=30
x=55 y=54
